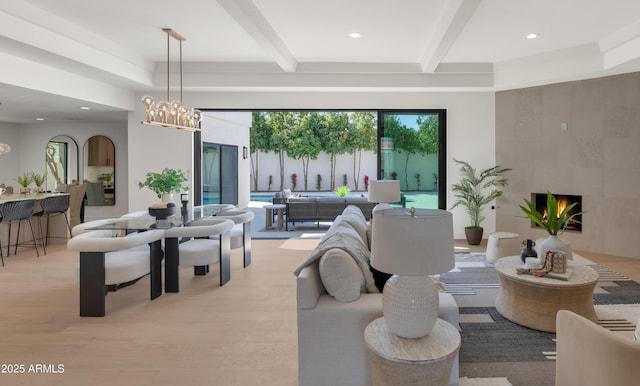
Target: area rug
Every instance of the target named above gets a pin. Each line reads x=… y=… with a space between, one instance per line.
x=494 y=346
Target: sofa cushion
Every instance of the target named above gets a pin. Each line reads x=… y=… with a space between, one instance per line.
x=341 y=276
x=354 y=217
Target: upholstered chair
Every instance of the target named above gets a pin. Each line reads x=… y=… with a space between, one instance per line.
x=110 y=263
x=591 y=355
x=208 y=243
x=241 y=232
x=16 y=212
x=52 y=206
x=76 y=203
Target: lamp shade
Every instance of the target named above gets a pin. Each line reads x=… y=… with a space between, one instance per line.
x=409 y=244
x=384 y=191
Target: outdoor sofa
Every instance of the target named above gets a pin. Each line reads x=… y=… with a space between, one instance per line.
x=323 y=208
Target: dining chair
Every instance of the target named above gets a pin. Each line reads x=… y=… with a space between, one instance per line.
x=208 y=243
x=52 y=206
x=241 y=232
x=76 y=203
x=17 y=211
x=108 y=263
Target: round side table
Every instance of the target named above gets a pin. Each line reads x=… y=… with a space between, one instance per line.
x=399 y=361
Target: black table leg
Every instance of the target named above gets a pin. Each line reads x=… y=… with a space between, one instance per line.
x=156 y=254
x=246 y=243
x=92 y=288
x=171 y=263
x=225 y=258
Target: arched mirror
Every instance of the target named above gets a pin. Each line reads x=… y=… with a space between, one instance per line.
x=62 y=162
x=99 y=171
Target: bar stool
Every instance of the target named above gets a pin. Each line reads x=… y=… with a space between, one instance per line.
x=13 y=211
x=52 y=206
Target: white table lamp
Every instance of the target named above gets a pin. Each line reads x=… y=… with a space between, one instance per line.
x=383 y=192
x=411 y=244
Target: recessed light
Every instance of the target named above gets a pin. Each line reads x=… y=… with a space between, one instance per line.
x=532 y=35
x=85 y=108
x=39 y=119
x=355 y=35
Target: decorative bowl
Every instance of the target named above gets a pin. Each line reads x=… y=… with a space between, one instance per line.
x=163 y=213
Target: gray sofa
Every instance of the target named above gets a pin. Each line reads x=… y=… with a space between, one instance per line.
x=334 y=305
x=323 y=208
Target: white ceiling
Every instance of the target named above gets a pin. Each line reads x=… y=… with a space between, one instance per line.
x=56 y=56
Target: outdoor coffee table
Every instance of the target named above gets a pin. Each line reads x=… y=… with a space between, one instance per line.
x=534 y=301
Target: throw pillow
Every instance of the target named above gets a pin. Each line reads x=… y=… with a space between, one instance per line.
x=340 y=275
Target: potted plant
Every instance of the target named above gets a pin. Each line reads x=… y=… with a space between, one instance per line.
x=553 y=220
x=107 y=177
x=24 y=180
x=342 y=191
x=474 y=191
x=164 y=184
x=38 y=180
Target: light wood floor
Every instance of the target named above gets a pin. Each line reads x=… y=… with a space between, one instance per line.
x=241 y=334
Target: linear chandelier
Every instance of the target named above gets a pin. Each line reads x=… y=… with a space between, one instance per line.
x=169 y=113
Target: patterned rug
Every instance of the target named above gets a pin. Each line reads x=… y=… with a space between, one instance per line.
x=494 y=346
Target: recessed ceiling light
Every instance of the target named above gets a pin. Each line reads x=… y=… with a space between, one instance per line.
x=532 y=35
x=85 y=108
x=39 y=119
x=355 y=35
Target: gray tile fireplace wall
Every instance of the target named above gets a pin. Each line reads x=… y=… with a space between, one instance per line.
x=580 y=138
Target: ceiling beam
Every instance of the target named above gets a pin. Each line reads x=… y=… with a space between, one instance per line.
x=249 y=17
x=452 y=20
x=621 y=46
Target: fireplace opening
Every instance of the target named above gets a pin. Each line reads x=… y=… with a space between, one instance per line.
x=564 y=200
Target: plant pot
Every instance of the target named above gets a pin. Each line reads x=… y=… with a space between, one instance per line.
x=474 y=235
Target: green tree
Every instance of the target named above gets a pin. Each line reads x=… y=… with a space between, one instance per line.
x=405 y=141
x=304 y=143
x=428 y=133
x=362 y=137
x=282 y=123
x=259 y=140
x=334 y=140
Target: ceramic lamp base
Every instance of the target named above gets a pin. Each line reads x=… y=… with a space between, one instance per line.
x=410 y=305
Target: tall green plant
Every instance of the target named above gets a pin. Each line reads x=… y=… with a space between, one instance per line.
x=474 y=190
x=553 y=221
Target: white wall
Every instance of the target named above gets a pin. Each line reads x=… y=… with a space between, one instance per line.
x=470 y=131
x=231 y=128
x=28 y=155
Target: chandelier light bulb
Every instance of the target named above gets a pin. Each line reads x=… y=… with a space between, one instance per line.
x=148 y=101
x=4 y=148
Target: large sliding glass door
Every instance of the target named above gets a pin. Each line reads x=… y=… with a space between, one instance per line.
x=412 y=150
x=219 y=174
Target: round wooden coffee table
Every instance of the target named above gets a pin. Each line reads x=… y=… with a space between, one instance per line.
x=534 y=301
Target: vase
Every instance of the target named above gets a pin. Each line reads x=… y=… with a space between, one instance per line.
x=167 y=198
x=25 y=190
x=528 y=250
x=552 y=243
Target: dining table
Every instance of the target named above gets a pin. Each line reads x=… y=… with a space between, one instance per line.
x=93 y=268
